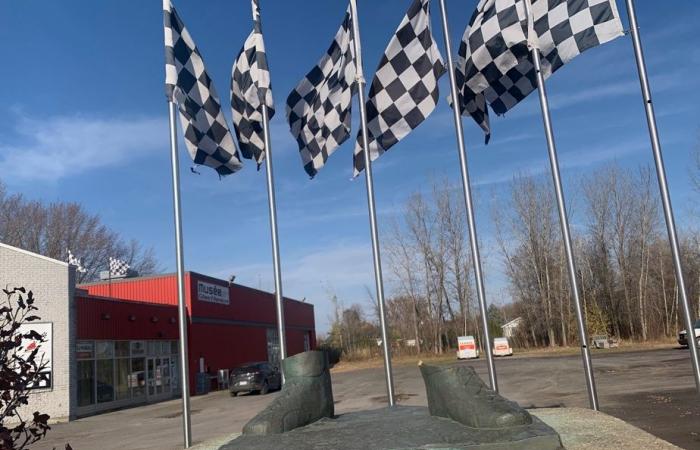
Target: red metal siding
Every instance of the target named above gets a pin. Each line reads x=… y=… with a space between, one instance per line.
x=224 y=342
x=110 y=320
x=251 y=305
x=227 y=346
x=160 y=289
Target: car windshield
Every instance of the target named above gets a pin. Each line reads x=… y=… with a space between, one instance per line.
x=697 y=323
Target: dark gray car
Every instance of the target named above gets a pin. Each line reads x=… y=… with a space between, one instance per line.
x=257 y=376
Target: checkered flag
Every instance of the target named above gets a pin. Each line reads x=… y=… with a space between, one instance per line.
x=74 y=261
x=187 y=83
x=404 y=90
x=118 y=268
x=250 y=89
x=495 y=50
x=470 y=103
x=318 y=109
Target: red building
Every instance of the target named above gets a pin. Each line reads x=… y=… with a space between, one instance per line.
x=127 y=335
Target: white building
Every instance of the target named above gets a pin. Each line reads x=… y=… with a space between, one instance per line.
x=509 y=328
x=53 y=284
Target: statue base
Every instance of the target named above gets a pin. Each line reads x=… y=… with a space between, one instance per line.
x=402 y=427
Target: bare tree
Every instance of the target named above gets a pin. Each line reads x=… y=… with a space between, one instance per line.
x=54 y=228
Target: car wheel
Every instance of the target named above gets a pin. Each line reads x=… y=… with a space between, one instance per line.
x=233 y=394
x=265 y=388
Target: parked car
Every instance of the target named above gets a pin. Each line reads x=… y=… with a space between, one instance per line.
x=683 y=335
x=501 y=347
x=257 y=376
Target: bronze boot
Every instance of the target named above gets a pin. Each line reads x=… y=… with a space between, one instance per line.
x=306 y=396
x=457 y=392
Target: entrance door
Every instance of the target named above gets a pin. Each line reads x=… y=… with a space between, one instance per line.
x=159 y=381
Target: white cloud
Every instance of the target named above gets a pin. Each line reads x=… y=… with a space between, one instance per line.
x=57 y=147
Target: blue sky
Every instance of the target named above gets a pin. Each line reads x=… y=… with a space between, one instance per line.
x=84 y=118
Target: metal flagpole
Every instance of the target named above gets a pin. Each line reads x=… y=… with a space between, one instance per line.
x=466 y=187
x=370 y=203
x=279 y=299
x=179 y=256
x=566 y=235
x=663 y=187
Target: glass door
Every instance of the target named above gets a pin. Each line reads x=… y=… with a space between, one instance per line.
x=159 y=380
x=151 y=381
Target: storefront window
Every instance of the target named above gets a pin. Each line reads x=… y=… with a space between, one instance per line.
x=104 y=349
x=122 y=381
x=85 y=349
x=138 y=348
x=137 y=378
x=105 y=380
x=86 y=383
x=111 y=371
x=174 y=375
x=121 y=349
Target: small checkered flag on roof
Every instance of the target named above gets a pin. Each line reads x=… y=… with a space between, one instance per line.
x=187 y=83
x=74 y=261
x=118 y=268
x=318 y=109
x=495 y=50
x=250 y=89
x=404 y=90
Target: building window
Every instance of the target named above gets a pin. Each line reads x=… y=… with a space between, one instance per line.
x=273 y=347
x=122 y=381
x=86 y=383
x=85 y=349
x=104 y=349
x=121 y=349
x=111 y=371
x=105 y=380
x=137 y=377
x=138 y=348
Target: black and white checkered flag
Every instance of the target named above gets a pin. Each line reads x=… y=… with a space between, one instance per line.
x=318 y=109
x=187 y=83
x=495 y=50
x=250 y=89
x=404 y=90
x=74 y=261
x=118 y=268
x=470 y=104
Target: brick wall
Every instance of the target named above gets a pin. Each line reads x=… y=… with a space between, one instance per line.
x=52 y=283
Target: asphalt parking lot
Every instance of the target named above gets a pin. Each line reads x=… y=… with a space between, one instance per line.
x=653 y=390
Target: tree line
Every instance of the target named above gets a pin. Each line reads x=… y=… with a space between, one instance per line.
x=50 y=229
x=624 y=267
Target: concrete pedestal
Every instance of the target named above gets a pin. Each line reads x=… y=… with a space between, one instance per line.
x=579 y=429
x=401 y=427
